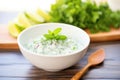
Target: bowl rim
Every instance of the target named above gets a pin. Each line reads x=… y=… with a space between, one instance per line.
x=61 y=55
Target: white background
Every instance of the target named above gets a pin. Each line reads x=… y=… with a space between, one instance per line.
x=22 y=5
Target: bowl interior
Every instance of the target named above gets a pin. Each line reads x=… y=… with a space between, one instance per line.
x=34 y=32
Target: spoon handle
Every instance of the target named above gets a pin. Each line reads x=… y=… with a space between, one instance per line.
x=79 y=74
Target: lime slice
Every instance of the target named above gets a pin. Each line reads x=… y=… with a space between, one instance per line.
x=34 y=18
x=19 y=27
x=13 y=29
x=23 y=20
x=43 y=14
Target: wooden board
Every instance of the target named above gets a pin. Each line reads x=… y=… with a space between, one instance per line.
x=8 y=42
x=112 y=35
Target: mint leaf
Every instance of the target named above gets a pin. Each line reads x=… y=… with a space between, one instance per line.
x=48 y=36
x=62 y=37
x=56 y=31
x=49 y=31
x=55 y=35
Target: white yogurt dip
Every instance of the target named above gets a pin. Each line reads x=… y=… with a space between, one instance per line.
x=52 y=47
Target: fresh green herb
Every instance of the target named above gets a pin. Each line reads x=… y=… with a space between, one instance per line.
x=74 y=47
x=86 y=15
x=55 y=34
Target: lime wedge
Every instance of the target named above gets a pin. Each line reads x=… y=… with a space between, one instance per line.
x=34 y=18
x=43 y=14
x=23 y=20
x=19 y=27
x=13 y=29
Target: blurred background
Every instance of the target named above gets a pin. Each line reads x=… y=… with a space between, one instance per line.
x=13 y=7
x=21 y=5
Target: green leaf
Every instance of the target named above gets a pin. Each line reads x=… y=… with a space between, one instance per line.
x=50 y=32
x=55 y=35
x=62 y=37
x=95 y=16
x=85 y=14
x=56 y=31
x=48 y=37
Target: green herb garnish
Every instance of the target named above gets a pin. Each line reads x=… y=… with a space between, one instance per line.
x=86 y=15
x=55 y=34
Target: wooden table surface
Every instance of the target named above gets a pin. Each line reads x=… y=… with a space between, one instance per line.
x=13 y=66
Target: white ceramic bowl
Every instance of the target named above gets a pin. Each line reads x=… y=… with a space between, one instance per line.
x=53 y=62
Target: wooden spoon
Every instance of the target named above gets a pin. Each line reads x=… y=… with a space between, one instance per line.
x=94 y=59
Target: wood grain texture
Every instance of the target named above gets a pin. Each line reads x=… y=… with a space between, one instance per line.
x=113 y=35
x=13 y=66
x=8 y=42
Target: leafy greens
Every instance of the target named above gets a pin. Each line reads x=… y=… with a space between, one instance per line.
x=86 y=15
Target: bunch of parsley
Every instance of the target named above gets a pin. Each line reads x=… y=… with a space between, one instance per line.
x=86 y=15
